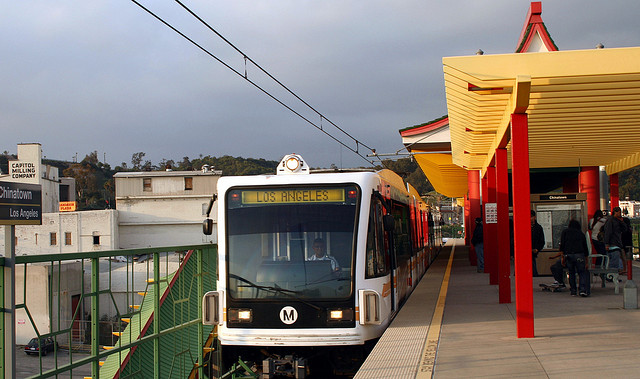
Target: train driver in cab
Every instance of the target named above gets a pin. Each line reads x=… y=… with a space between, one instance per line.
x=320 y=254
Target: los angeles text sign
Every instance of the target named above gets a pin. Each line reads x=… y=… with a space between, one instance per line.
x=20 y=204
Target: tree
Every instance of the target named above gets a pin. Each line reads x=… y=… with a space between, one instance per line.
x=86 y=181
x=91 y=158
x=411 y=172
x=629 y=181
x=138 y=164
x=166 y=164
x=94 y=181
x=4 y=161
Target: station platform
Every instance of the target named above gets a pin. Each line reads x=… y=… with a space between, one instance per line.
x=452 y=326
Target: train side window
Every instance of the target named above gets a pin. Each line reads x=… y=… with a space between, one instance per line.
x=377 y=263
x=402 y=234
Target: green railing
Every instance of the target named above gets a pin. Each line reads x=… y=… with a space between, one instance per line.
x=136 y=311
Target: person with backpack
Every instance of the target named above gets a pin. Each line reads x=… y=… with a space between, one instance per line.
x=613 y=230
x=597 y=232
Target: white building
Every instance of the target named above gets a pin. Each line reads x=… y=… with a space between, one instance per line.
x=45 y=315
x=69 y=232
x=28 y=168
x=630 y=208
x=153 y=209
x=164 y=208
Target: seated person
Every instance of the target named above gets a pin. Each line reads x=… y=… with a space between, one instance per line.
x=320 y=254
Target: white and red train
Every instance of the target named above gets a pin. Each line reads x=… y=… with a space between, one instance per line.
x=277 y=304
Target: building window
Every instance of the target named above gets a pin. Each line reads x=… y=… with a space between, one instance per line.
x=188 y=183
x=53 y=238
x=67 y=238
x=96 y=240
x=146 y=184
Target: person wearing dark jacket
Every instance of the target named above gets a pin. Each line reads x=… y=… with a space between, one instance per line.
x=574 y=251
x=537 y=241
x=478 y=245
x=627 y=241
x=613 y=230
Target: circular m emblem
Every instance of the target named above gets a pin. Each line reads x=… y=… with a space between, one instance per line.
x=288 y=315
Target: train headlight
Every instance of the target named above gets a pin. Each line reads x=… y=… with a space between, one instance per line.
x=240 y=315
x=339 y=315
x=293 y=163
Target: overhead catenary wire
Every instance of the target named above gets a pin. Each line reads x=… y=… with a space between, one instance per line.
x=270 y=76
x=244 y=75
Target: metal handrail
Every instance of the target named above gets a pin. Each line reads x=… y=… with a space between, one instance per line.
x=162 y=278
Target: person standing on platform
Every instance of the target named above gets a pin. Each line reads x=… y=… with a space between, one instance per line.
x=613 y=229
x=537 y=241
x=627 y=242
x=595 y=226
x=478 y=245
x=574 y=251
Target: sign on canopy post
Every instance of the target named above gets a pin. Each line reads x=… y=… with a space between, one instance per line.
x=20 y=204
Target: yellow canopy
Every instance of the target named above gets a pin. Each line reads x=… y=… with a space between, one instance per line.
x=446 y=178
x=583 y=107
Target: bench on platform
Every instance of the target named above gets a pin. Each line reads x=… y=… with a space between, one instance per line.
x=603 y=270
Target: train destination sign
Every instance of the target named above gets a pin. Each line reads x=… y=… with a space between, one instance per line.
x=300 y=195
x=20 y=204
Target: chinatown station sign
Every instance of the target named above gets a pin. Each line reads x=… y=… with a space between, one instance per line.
x=20 y=204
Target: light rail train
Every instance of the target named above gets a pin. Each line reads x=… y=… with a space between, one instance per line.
x=312 y=267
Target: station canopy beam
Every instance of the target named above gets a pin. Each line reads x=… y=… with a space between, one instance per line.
x=583 y=107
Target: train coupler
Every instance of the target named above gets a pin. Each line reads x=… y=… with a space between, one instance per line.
x=289 y=366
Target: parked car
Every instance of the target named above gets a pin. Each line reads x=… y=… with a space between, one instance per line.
x=46 y=344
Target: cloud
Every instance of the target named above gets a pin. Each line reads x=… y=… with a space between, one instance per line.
x=106 y=76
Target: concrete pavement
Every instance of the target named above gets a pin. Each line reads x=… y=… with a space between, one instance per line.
x=592 y=337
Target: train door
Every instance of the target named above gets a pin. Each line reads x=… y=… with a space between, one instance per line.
x=413 y=274
x=379 y=260
x=402 y=250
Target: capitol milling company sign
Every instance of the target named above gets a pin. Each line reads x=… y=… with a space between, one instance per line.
x=23 y=170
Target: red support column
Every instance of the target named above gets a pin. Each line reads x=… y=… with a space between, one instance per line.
x=522 y=224
x=485 y=227
x=473 y=178
x=613 y=191
x=492 y=256
x=590 y=183
x=503 y=242
x=468 y=232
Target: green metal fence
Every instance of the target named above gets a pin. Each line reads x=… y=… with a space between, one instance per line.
x=127 y=313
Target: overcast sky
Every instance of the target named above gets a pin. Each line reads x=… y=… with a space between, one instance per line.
x=78 y=76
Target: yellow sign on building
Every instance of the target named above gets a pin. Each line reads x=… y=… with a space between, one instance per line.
x=68 y=206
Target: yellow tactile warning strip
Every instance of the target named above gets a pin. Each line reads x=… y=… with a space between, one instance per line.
x=398 y=353
x=428 y=359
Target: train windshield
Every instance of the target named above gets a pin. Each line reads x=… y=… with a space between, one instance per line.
x=285 y=243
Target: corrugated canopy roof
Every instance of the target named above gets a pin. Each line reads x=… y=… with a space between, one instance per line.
x=583 y=106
